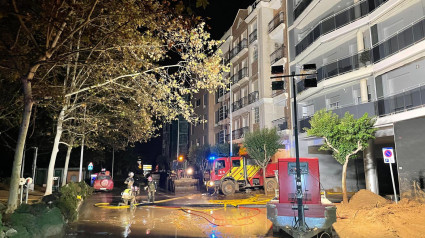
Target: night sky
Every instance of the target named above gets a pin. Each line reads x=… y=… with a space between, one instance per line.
x=219 y=15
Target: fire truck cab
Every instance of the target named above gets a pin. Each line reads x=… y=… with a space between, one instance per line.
x=231 y=174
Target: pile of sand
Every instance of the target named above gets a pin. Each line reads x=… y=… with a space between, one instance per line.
x=369 y=215
x=365 y=199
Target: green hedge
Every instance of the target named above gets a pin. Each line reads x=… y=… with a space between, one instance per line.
x=37 y=220
x=68 y=198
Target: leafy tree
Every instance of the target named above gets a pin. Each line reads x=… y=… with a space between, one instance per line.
x=80 y=51
x=198 y=155
x=224 y=150
x=261 y=146
x=345 y=137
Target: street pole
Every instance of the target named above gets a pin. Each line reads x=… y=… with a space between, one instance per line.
x=34 y=166
x=80 y=174
x=392 y=179
x=300 y=206
x=23 y=164
x=113 y=158
x=231 y=122
x=178 y=137
x=299 y=192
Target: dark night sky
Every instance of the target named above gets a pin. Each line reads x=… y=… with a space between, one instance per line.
x=220 y=15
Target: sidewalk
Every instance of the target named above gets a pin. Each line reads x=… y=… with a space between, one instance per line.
x=33 y=196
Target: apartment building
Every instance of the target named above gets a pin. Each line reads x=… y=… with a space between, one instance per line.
x=370 y=58
x=175 y=139
x=198 y=134
x=255 y=41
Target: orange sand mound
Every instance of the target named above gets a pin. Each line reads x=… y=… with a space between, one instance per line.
x=369 y=215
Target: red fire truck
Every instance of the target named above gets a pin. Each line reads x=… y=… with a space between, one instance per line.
x=229 y=175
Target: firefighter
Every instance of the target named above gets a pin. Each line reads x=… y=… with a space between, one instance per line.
x=151 y=189
x=130 y=180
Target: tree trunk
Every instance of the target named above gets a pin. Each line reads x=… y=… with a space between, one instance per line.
x=55 y=150
x=264 y=180
x=68 y=155
x=344 y=182
x=12 y=203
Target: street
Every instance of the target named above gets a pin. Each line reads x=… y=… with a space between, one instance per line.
x=175 y=217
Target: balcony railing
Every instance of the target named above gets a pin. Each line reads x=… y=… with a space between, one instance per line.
x=276 y=21
x=239 y=103
x=252 y=36
x=400 y=102
x=277 y=54
x=340 y=66
x=235 y=51
x=301 y=7
x=245 y=101
x=253 y=97
x=337 y=21
x=280 y=124
x=239 y=133
x=408 y=36
x=239 y=75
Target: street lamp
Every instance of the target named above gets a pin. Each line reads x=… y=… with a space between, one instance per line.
x=308 y=82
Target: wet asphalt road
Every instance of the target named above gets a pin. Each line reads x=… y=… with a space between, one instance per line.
x=173 y=220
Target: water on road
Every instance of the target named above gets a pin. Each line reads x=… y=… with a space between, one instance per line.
x=168 y=221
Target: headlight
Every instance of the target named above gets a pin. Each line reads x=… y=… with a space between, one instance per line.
x=189 y=171
x=211 y=183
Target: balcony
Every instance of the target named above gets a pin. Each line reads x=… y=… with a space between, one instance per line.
x=240 y=103
x=222 y=113
x=408 y=36
x=340 y=66
x=245 y=101
x=239 y=48
x=277 y=54
x=280 y=124
x=276 y=21
x=301 y=7
x=397 y=103
x=241 y=74
x=252 y=36
x=337 y=21
x=253 y=97
x=239 y=133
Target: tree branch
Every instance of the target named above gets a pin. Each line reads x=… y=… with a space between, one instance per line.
x=116 y=78
x=330 y=145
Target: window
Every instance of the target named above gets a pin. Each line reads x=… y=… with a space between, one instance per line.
x=333 y=102
x=257 y=115
x=205 y=100
x=220 y=164
x=198 y=103
x=236 y=163
x=255 y=54
x=307 y=110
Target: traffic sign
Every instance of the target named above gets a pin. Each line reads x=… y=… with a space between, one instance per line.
x=388 y=153
x=90 y=167
x=147 y=167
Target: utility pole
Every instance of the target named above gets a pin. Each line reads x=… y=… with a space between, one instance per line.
x=231 y=122
x=311 y=82
x=80 y=175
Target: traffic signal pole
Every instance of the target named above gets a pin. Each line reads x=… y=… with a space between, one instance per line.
x=299 y=193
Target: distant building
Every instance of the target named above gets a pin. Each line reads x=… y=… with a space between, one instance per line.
x=173 y=134
x=199 y=131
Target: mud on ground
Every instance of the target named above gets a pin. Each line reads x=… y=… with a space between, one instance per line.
x=370 y=215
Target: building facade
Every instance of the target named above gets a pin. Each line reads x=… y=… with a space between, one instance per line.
x=255 y=41
x=370 y=59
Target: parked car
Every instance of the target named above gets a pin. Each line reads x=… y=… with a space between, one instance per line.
x=103 y=182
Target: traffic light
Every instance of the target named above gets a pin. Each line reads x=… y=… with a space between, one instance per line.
x=180 y=158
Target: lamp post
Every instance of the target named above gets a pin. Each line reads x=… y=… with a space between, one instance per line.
x=311 y=82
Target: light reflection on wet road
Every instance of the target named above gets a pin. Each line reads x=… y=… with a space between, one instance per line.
x=168 y=221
